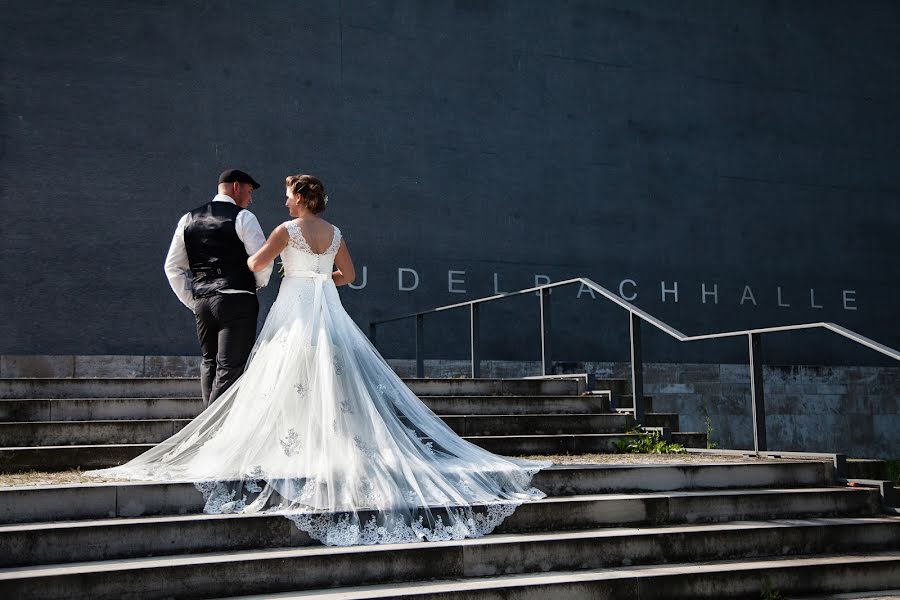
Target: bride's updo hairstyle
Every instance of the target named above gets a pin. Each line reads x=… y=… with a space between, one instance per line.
x=311 y=190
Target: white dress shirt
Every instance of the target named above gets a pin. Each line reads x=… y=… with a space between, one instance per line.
x=178 y=268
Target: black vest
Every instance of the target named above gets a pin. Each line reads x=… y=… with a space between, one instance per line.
x=215 y=252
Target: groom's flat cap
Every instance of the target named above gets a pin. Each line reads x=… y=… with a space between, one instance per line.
x=235 y=175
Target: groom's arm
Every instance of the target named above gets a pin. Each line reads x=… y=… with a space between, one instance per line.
x=177 y=266
x=248 y=230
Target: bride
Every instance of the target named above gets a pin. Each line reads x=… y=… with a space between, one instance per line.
x=320 y=429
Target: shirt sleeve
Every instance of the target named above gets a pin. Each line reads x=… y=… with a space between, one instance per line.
x=178 y=268
x=250 y=232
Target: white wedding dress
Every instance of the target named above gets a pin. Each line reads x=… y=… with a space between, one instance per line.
x=319 y=428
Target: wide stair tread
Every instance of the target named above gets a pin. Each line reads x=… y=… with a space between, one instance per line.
x=712 y=579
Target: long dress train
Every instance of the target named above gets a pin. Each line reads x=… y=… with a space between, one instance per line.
x=320 y=429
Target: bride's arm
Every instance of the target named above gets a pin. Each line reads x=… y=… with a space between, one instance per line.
x=344 y=264
x=272 y=248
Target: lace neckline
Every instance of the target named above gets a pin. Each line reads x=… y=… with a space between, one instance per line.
x=303 y=244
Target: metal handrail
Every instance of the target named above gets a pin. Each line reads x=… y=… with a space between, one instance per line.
x=636 y=315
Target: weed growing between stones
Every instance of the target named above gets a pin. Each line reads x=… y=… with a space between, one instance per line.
x=710 y=445
x=647 y=442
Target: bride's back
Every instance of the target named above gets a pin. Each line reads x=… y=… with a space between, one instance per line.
x=318 y=233
x=312 y=245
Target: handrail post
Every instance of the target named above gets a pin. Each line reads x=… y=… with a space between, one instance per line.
x=546 y=364
x=757 y=398
x=475 y=337
x=420 y=345
x=372 y=332
x=637 y=368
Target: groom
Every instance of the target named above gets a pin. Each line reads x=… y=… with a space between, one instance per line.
x=207 y=269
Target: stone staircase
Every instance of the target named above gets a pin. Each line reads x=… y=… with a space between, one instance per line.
x=686 y=530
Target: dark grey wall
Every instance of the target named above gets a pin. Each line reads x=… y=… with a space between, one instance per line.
x=721 y=142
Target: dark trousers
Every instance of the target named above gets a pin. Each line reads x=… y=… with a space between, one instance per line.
x=226 y=327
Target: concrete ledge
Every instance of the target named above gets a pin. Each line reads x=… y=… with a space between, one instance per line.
x=689 y=439
x=109 y=366
x=124 y=387
x=63 y=433
x=12 y=365
x=513 y=445
x=86 y=409
x=858 y=468
x=147 y=431
x=573 y=480
x=518 y=405
x=62 y=458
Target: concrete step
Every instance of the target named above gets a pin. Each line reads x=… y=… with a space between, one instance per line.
x=107 y=539
x=18 y=459
x=669 y=420
x=517 y=405
x=689 y=439
x=824 y=574
x=545 y=425
x=856 y=595
x=126 y=499
x=99 y=409
x=71 y=433
x=64 y=433
x=626 y=401
x=63 y=458
x=88 y=409
x=617 y=386
x=316 y=567
x=188 y=387
x=867 y=468
x=514 y=445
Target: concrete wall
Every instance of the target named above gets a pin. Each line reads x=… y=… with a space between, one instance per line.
x=727 y=144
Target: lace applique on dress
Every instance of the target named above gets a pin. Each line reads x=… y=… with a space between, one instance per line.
x=295 y=237
x=297 y=241
x=290 y=443
x=363 y=447
x=337 y=360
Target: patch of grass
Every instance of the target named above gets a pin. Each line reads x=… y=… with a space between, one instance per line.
x=770 y=593
x=647 y=442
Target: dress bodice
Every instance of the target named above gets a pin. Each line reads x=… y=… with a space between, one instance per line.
x=298 y=258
